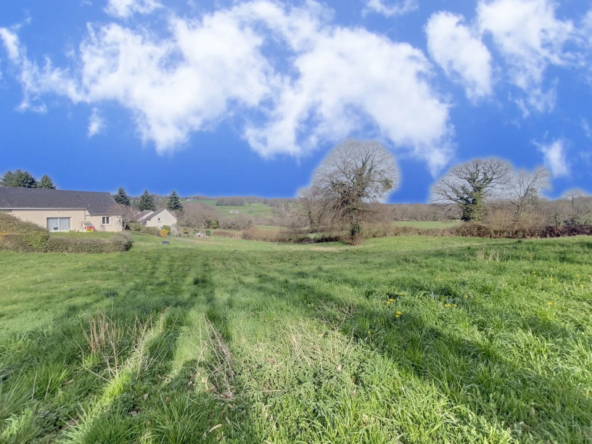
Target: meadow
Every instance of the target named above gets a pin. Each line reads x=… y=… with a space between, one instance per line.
x=409 y=339
x=253 y=210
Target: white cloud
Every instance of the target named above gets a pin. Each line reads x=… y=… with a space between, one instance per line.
x=396 y=8
x=332 y=81
x=95 y=123
x=530 y=38
x=554 y=158
x=126 y=8
x=11 y=43
x=460 y=53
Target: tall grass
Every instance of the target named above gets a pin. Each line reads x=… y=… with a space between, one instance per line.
x=408 y=339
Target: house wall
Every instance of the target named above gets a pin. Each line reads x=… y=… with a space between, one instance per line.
x=166 y=218
x=77 y=219
x=39 y=217
x=114 y=223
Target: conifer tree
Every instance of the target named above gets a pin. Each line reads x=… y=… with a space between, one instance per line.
x=122 y=198
x=18 y=179
x=174 y=203
x=46 y=183
x=146 y=202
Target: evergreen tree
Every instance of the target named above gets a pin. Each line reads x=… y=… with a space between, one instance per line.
x=46 y=183
x=122 y=198
x=146 y=202
x=18 y=179
x=174 y=203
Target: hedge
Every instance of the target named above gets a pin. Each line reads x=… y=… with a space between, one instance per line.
x=118 y=243
x=23 y=236
x=28 y=237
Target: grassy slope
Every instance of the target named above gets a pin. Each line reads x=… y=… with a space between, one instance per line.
x=300 y=343
x=255 y=209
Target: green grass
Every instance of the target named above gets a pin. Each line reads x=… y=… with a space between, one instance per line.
x=407 y=339
x=255 y=209
x=425 y=224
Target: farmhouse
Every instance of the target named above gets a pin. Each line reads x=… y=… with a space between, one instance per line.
x=158 y=219
x=60 y=210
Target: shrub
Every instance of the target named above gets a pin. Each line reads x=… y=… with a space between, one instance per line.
x=23 y=236
x=225 y=234
x=163 y=233
x=118 y=243
x=166 y=227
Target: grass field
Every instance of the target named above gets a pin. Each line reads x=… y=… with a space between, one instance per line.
x=255 y=209
x=425 y=224
x=406 y=339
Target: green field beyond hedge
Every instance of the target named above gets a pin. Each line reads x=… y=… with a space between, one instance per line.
x=406 y=339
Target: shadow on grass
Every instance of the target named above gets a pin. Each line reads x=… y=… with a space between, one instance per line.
x=468 y=373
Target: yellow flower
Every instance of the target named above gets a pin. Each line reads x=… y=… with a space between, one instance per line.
x=466 y=296
x=581 y=286
x=551 y=279
x=454 y=305
x=448 y=305
x=396 y=316
x=399 y=313
x=550 y=303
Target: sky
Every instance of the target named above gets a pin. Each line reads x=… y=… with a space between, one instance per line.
x=221 y=97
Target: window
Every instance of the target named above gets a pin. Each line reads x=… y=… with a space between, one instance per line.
x=105 y=220
x=159 y=219
x=58 y=223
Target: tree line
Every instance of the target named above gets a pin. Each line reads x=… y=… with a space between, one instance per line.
x=24 y=179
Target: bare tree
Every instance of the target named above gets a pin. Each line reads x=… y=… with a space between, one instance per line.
x=199 y=215
x=469 y=185
x=580 y=207
x=524 y=189
x=125 y=213
x=353 y=175
x=310 y=207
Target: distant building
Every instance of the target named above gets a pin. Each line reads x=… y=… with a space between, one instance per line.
x=158 y=219
x=61 y=210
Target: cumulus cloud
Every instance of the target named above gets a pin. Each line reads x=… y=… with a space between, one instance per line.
x=126 y=8
x=331 y=82
x=460 y=53
x=391 y=9
x=530 y=37
x=554 y=158
x=95 y=123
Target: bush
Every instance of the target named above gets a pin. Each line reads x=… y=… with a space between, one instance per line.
x=287 y=236
x=163 y=233
x=22 y=236
x=118 y=243
x=227 y=234
x=166 y=227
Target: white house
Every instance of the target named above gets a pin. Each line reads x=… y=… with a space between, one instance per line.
x=158 y=219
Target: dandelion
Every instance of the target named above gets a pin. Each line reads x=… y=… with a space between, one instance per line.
x=396 y=316
x=399 y=313
x=549 y=303
x=466 y=296
x=454 y=305
x=448 y=305
x=581 y=286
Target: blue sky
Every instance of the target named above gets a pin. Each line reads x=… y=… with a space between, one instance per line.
x=246 y=97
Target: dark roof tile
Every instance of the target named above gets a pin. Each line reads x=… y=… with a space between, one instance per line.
x=93 y=202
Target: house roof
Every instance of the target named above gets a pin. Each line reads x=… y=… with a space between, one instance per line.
x=142 y=214
x=147 y=215
x=39 y=198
